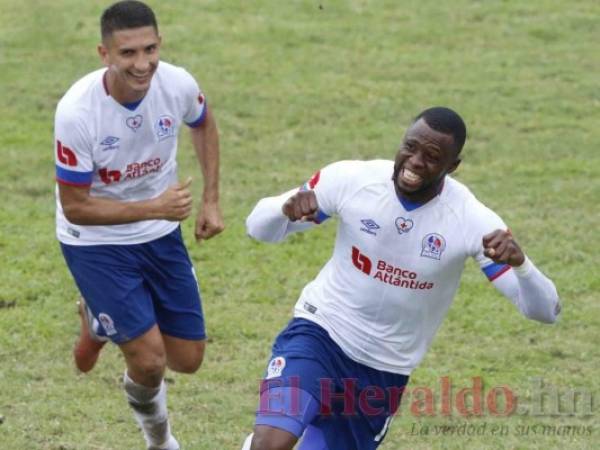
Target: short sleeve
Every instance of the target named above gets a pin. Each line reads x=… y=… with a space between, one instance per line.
x=331 y=185
x=194 y=101
x=72 y=150
x=482 y=221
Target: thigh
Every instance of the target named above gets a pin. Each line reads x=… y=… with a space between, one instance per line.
x=356 y=402
x=357 y=411
x=110 y=280
x=170 y=275
x=289 y=390
x=313 y=439
x=266 y=436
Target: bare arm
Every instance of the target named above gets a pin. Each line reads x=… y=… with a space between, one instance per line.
x=205 y=139
x=81 y=208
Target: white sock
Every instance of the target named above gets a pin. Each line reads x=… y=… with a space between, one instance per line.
x=150 y=410
x=248 y=442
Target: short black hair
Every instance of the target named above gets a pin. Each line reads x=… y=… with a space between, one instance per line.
x=124 y=15
x=446 y=121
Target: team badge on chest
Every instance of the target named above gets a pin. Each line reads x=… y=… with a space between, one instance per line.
x=165 y=127
x=403 y=225
x=433 y=246
x=134 y=122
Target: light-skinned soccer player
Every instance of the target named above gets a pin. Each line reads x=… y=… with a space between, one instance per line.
x=119 y=204
x=405 y=230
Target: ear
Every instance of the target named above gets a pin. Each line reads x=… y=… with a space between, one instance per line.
x=103 y=53
x=454 y=165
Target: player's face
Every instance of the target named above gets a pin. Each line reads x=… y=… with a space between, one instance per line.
x=424 y=158
x=131 y=56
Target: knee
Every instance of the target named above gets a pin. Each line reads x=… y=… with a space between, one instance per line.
x=148 y=369
x=188 y=366
x=272 y=439
x=189 y=361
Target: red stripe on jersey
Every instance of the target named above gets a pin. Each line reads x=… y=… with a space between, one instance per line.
x=505 y=269
x=314 y=180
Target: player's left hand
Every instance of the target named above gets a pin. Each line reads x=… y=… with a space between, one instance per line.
x=209 y=221
x=501 y=247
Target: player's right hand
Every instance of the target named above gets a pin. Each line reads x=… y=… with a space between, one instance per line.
x=176 y=202
x=301 y=206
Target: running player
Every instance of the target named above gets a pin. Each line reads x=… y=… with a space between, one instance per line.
x=119 y=204
x=406 y=228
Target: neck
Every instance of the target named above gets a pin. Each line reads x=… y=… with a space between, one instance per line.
x=120 y=94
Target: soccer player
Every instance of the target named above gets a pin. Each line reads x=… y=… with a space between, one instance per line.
x=364 y=323
x=119 y=204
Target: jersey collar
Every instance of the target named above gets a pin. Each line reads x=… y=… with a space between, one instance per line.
x=410 y=205
x=131 y=106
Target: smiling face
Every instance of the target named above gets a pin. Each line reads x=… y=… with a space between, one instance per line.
x=131 y=56
x=422 y=162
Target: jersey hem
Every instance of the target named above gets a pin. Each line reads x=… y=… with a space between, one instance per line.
x=153 y=237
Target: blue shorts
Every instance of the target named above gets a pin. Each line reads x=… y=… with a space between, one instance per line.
x=312 y=385
x=129 y=288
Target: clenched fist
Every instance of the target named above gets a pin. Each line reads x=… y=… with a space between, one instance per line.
x=501 y=247
x=301 y=206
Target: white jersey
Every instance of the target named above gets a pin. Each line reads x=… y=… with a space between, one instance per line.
x=395 y=267
x=122 y=152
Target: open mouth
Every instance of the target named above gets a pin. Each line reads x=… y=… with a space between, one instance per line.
x=409 y=178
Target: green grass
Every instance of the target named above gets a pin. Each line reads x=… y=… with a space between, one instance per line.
x=296 y=85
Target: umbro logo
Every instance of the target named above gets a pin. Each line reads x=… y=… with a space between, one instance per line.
x=110 y=143
x=369 y=226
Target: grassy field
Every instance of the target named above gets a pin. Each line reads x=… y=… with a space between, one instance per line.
x=296 y=85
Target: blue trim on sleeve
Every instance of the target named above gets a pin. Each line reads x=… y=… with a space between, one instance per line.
x=321 y=217
x=494 y=270
x=71 y=176
x=196 y=123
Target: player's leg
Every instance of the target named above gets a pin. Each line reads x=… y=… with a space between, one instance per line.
x=170 y=276
x=284 y=413
x=333 y=378
x=92 y=336
x=184 y=355
x=110 y=279
x=146 y=390
x=89 y=344
x=288 y=398
x=271 y=438
x=313 y=439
